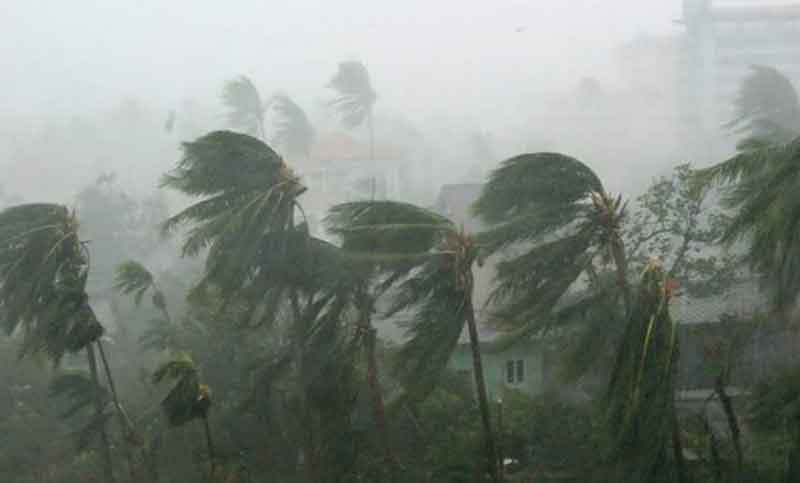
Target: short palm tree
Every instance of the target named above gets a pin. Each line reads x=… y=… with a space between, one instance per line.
x=291 y=127
x=188 y=399
x=43 y=269
x=134 y=278
x=760 y=183
x=429 y=261
x=246 y=108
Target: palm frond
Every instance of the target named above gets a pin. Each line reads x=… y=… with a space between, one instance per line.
x=133 y=278
x=535 y=181
x=355 y=95
x=246 y=109
x=291 y=128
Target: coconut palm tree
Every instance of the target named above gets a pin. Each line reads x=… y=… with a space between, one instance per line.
x=188 y=399
x=760 y=181
x=551 y=217
x=355 y=100
x=43 y=269
x=258 y=256
x=554 y=226
x=246 y=108
x=429 y=261
x=291 y=127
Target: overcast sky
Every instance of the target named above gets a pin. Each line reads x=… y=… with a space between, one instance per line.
x=424 y=55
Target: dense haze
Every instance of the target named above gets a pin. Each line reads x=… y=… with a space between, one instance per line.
x=450 y=68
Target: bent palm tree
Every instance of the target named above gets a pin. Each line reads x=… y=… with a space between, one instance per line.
x=43 y=269
x=257 y=254
x=246 y=109
x=292 y=128
x=554 y=219
x=761 y=181
x=429 y=261
x=188 y=399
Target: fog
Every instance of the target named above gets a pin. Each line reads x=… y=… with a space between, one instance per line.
x=448 y=68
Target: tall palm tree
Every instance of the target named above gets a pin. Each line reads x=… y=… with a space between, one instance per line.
x=258 y=255
x=355 y=100
x=43 y=269
x=429 y=261
x=188 y=399
x=760 y=181
x=555 y=227
x=246 y=108
x=291 y=128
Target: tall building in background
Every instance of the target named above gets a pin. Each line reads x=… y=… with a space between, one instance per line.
x=722 y=39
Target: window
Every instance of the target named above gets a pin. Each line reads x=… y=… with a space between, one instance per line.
x=515 y=371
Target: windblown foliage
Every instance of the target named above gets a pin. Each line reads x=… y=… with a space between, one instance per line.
x=550 y=215
x=43 y=269
x=292 y=128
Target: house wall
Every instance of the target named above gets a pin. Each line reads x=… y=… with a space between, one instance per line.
x=494 y=368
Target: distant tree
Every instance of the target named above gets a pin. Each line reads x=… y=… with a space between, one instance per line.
x=767 y=106
x=355 y=99
x=291 y=128
x=246 y=108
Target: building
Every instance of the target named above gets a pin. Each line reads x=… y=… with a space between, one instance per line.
x=722 y=40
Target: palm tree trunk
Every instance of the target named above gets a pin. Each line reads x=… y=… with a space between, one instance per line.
x=378 y=409
x=105 y=450
x=480 y=383
x=733 y=423
x=677 y=447
x=621 y=262
x=124 y=421
x=212 y=455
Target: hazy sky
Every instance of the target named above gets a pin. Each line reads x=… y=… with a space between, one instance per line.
x=424 y=55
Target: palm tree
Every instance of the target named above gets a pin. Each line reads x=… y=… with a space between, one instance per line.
x=429 y=261
x=554 y=219
x=43 y=269
x=246 y=109
x=257 y=255
x=355 y=100
x=760 y=182
x=134 y=278
x=553 y=222
x=641 y=414
x=188 y=399
x=292 y=128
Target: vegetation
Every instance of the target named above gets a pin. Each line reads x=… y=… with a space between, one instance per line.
x=284 y=324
